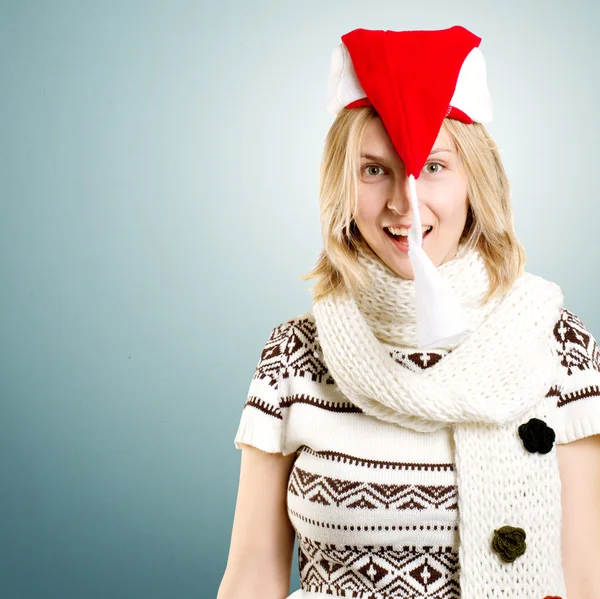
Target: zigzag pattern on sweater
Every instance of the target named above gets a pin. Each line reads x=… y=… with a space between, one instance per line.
x=404 y=500
x=362 y=495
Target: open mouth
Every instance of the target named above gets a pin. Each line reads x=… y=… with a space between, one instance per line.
x=400 y=237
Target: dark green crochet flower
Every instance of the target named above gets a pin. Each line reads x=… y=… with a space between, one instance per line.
x=509 y=543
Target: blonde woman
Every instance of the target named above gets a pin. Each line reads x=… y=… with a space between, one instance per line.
x=431 y=428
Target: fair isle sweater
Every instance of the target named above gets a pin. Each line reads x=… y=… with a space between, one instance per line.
x=374 y=505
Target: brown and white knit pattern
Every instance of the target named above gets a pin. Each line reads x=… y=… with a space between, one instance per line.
x=374 y=505
x=493 y=382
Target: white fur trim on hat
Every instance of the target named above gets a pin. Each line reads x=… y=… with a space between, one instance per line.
x=344 y=86
x=471 y=94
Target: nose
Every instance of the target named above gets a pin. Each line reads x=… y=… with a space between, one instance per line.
x=400 y=200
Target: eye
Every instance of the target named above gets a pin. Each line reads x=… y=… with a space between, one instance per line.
x=433 y=167
x=372 y=170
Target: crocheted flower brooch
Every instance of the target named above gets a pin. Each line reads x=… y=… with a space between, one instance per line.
x=537 y=436
x=509 y=542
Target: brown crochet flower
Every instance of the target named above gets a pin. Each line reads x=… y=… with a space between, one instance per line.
x=509 y=542
x=537 y=436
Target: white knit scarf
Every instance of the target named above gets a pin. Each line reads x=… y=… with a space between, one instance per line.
x=493 y=381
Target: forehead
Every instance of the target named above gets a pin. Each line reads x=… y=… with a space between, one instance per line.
x=376 y=140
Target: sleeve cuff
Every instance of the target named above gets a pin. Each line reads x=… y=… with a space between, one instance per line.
x=260 y=430
x=579 y=426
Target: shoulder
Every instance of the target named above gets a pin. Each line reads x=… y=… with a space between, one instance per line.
x=285 y=336
x=540 y=287
x=576 y=345
x=538 y=300
x=293 y=351
x=575 y=393
x=577 y=390
x=263 y=422
x=287 y=342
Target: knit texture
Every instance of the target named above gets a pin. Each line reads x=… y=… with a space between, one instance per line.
x=452 y=392
x=485 y=389
x=375 y=505
x=388 y=303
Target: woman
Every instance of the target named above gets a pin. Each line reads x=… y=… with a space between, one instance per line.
x=431 y=428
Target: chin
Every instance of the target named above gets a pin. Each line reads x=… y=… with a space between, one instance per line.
x=399 y=261
x=402 y=265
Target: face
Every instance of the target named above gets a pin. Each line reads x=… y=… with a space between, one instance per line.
x=383 y=199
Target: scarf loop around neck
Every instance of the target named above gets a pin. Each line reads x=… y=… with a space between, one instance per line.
x=495 y=379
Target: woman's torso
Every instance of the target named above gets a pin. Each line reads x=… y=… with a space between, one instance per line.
x=374 y=505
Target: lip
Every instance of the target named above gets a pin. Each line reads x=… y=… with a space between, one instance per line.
x=407 y=226
x=401 y=245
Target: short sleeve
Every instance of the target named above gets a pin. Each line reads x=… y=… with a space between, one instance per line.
x=262 y=420
x=577 y=392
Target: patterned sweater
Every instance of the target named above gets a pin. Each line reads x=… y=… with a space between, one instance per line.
x=374 y=505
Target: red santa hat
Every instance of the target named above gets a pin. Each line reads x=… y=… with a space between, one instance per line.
x=415 y=79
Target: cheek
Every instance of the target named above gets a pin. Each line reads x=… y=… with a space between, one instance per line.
x=450 y=205
x=371 y=202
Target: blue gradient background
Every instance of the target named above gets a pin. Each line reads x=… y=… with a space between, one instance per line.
x=158 y=190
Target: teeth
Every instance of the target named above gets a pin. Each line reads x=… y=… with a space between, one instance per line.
x=404 y=232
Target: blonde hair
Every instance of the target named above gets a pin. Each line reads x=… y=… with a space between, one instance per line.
x=489 y=226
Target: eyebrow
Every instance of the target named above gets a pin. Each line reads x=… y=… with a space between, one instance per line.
x=382 y=159
x=373 y=157
x=437 y=150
